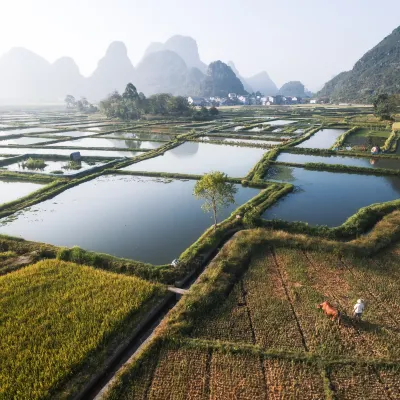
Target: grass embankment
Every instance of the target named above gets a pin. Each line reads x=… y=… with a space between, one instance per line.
x=392 y=141
x=249 y=328
x=342 y=138
x=356 y=225
x=249 y=213
x=258 y=172
x=61 y=321
x=307 y=134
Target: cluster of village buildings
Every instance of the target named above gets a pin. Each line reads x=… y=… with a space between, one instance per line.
x=234 y=99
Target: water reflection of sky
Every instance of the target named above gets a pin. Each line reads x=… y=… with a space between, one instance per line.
x=200 y=158
x=328 y=198
x=322 y=139
x=110 y=143
x=10 y=191
x=147 y=219
x=366 y=162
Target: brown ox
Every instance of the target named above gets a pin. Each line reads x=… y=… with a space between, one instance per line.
x=330 y=311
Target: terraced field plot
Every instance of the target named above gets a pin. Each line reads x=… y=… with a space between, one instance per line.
x=200 y=158
x=52 y=166
x=22 y=141
x=66 y=152
x=13 y=190
x=269 y=340
x=280 y=122
x=245 y=141
x=365 y=162
x=323 y=139
x=24 y=131
x=70 y=134
x=328 y=198
x=122 y=216
x=367 y=137
x=82 y=311
x=140 y=136
x=111 y=143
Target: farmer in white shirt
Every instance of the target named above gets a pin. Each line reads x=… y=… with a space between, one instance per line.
x=359 y=309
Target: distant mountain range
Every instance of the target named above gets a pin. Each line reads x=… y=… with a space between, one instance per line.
x=172 y=67
x=378 y=71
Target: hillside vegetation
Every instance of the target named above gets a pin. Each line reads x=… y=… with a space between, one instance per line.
x=378 y=71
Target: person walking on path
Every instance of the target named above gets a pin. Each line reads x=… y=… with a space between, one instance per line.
x=359 y=309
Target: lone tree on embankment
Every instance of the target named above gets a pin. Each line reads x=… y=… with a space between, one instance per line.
x=216 y=191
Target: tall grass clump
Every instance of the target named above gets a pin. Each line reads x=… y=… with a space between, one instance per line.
x=33 y=164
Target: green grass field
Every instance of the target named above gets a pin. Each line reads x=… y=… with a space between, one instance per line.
x=58 y=318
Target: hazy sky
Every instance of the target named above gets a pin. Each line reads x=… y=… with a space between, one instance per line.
x=307 y=40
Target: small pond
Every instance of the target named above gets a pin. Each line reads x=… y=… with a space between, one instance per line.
x=199 y=158
x=372 y=162
x=328 y=198
x=110 y=143
x=323 y=139
x=147 y=219
x=13 y=190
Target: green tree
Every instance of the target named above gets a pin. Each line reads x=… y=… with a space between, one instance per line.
x=70 y=101
x=216 y=191
x=130 y=92
x=213 y=111
x=85 y=102
x=385 y=106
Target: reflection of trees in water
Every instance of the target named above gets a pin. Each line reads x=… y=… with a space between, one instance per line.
x=133 y=144
x=394 y=182
x=185 y=150
x=281 y=173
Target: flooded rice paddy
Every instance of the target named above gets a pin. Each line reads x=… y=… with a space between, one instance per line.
x=13 y=190
x=25 y=131
x=67 y=152
x=248 y=141
x=122 y=216
x=199 y=158
x=327 y=198
x=53 y=167
x=23 y=141
x=110 y=143
x=366 y=162
x=140 y=136
x=280 y=122
x=323 y=139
